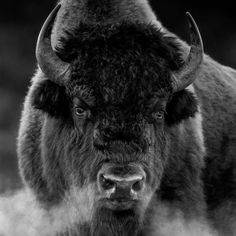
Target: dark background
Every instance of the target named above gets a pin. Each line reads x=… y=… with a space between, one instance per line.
x=20 y=22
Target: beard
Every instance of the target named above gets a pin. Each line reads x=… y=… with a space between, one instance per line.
x=107 y=222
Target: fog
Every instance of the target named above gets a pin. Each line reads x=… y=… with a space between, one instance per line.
x=21 y=216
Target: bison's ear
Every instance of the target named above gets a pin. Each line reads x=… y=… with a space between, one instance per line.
x=52 y=99
x=181 y=106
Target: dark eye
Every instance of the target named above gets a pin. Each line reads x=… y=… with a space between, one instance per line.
x=159 y=115
x=79 y=111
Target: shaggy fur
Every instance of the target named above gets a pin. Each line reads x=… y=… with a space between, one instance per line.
x=52 y=99
x=74 y=12
x=97 y=47
x=121 y=73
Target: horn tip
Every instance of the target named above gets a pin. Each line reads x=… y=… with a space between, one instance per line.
x=190 y=19
x=194 y=30
x=188 y=14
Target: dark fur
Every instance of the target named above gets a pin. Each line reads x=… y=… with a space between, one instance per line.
x=52 y=99
x=87 y=45
x=182 y=105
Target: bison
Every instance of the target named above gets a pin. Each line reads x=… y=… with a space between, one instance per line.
x=126 y=129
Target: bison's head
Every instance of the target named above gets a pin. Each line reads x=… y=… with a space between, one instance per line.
x=112 y=96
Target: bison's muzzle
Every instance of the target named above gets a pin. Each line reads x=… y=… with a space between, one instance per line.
x=121 y=186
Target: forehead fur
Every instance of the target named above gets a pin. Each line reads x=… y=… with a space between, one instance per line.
x=121 y=62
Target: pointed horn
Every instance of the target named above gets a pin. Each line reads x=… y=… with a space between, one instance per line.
x=188 y=72
x=48 y=61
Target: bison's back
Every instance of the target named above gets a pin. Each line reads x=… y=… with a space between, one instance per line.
x=216 y=90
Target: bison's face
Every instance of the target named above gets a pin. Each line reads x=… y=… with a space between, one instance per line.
x=123 y=133
x=109 y=123
x=123 y=146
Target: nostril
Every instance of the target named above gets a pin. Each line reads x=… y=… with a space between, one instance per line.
x=105 y=183
x=137 y=186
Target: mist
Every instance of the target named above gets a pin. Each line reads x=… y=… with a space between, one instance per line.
x=21 y=216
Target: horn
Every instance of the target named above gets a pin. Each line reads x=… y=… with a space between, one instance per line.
x=48 y=61
x=188 y=72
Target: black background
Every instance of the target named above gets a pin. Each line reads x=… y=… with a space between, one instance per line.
x=20 y=22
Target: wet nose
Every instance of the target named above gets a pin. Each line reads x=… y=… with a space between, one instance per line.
x=121 y=187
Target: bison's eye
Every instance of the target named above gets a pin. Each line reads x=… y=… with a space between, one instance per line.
x=80 y=111
x=159 y=115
